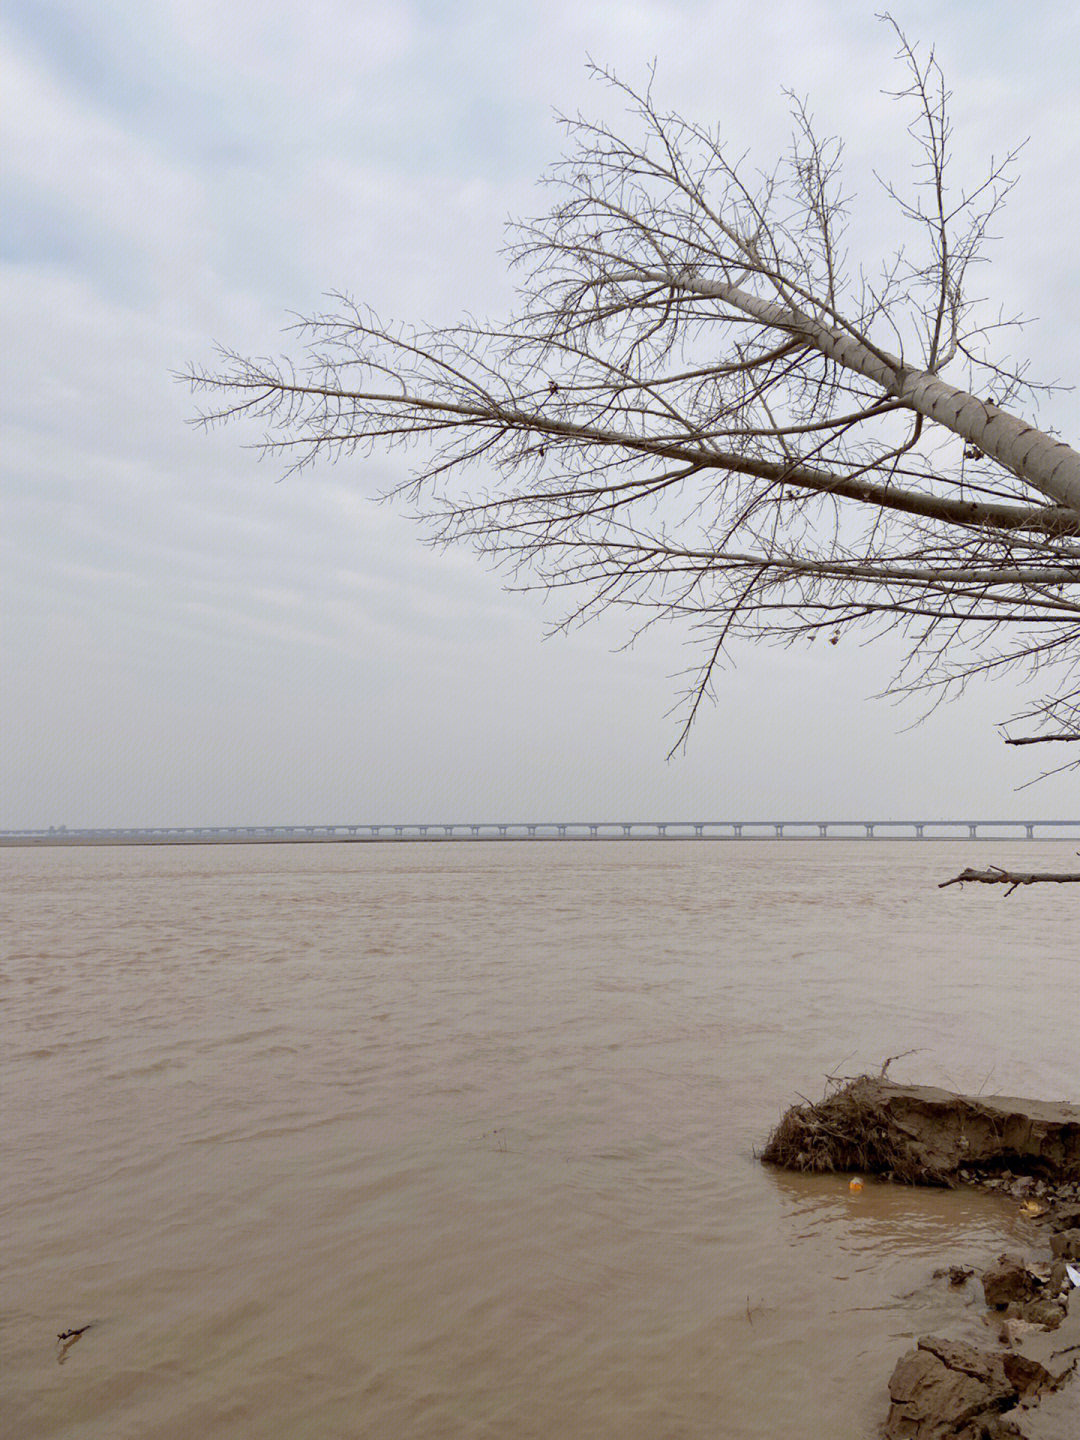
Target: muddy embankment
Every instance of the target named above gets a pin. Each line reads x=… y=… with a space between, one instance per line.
x=1023 y=1383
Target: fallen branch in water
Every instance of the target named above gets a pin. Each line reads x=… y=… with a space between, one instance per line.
x=996 y=876
x=66 y=1339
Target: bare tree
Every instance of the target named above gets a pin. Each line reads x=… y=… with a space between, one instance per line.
x=701 y=412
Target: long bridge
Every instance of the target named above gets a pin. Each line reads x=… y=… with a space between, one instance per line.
x=555 y=830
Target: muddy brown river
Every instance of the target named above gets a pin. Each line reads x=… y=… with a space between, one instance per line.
x=457 y=1140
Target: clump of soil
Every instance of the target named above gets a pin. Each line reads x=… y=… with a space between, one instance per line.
x=944 y=1388
x=919 y=1135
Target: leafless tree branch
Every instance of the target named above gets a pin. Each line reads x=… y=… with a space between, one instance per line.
x=1040 y=739
x=701 y=413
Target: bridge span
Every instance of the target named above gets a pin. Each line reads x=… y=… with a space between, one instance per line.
x=555 y=830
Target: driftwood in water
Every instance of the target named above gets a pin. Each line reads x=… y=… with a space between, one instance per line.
x=1012 y=878
x=920 y=1135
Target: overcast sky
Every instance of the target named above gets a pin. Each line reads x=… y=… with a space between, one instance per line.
x=185 y=640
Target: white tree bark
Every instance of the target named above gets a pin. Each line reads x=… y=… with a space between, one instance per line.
x=1047 y=464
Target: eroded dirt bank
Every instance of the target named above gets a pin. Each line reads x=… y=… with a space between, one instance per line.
x=1022 y=1383
x=919 y=1135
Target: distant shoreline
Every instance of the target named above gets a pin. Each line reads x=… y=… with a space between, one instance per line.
x=70 y=840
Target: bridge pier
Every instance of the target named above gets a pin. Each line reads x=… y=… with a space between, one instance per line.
x=823 y=831
x=973 y=831
x=736 y=830
x=699 y=830
x=779 y=830
x=869 y=832
x=626 y=829
x=594 y=830
x=1029 y=832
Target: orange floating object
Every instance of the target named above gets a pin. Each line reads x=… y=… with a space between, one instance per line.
x=855 y=1185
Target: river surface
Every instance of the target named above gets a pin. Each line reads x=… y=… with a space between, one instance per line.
x=457 y=1139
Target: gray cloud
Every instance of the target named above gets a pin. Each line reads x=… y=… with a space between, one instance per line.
x=186 y=639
